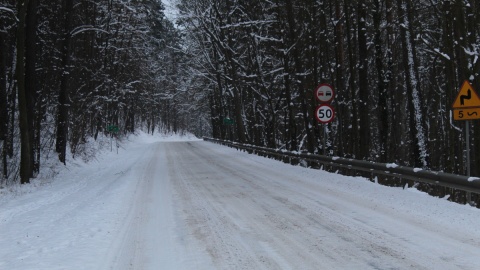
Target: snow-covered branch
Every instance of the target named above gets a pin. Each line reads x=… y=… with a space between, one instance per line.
x=9 y=10
x=86 y=28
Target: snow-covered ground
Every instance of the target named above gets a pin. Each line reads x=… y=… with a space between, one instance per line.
x=163 y=203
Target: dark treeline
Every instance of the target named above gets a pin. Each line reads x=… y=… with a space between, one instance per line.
x=396 y=66
x=71 y=69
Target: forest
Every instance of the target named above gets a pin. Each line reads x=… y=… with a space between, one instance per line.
x=72 y=70
x=396 y=67
x=240 y=70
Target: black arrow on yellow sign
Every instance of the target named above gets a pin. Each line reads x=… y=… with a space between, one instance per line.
x=467 y=97
x=463 y=97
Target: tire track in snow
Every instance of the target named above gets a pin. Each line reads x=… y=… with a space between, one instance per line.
x=251 y=216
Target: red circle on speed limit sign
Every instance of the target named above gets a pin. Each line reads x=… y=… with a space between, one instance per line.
x=324 y=114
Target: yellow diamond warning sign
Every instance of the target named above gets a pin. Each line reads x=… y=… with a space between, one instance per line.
x=467 y=97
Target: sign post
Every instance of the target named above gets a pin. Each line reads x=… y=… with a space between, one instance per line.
x=114 y=130
x=467 y=107
x=324 y=113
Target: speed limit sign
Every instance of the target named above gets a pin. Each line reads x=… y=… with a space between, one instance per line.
x=324 y=114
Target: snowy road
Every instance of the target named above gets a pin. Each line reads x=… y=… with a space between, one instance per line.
x=197 y=205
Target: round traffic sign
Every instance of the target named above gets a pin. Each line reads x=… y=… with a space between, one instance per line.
x=324 y=93
x=324 y=114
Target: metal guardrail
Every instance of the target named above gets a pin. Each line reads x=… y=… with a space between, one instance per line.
x=460 y=182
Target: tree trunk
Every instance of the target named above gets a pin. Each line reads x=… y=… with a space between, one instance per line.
x=417 y=132
x=391 y=85
x=30 y=83
x=290 y=123
x=340 y=84
x=26 y=147
x=354 y=148
x=291 y=126
x=473 y=23
x=363 y=82
x=450 y=86
x=382 y=91
x=304 y=101
x=3 y=102
x=231 y=69
x=63 y=96
x=3 y=87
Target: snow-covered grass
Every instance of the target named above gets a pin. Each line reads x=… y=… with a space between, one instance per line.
x=91 y=152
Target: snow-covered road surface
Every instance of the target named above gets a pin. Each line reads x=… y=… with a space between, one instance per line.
x=197 y=205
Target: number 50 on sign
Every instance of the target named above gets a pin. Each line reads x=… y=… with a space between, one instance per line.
x=324 y=114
